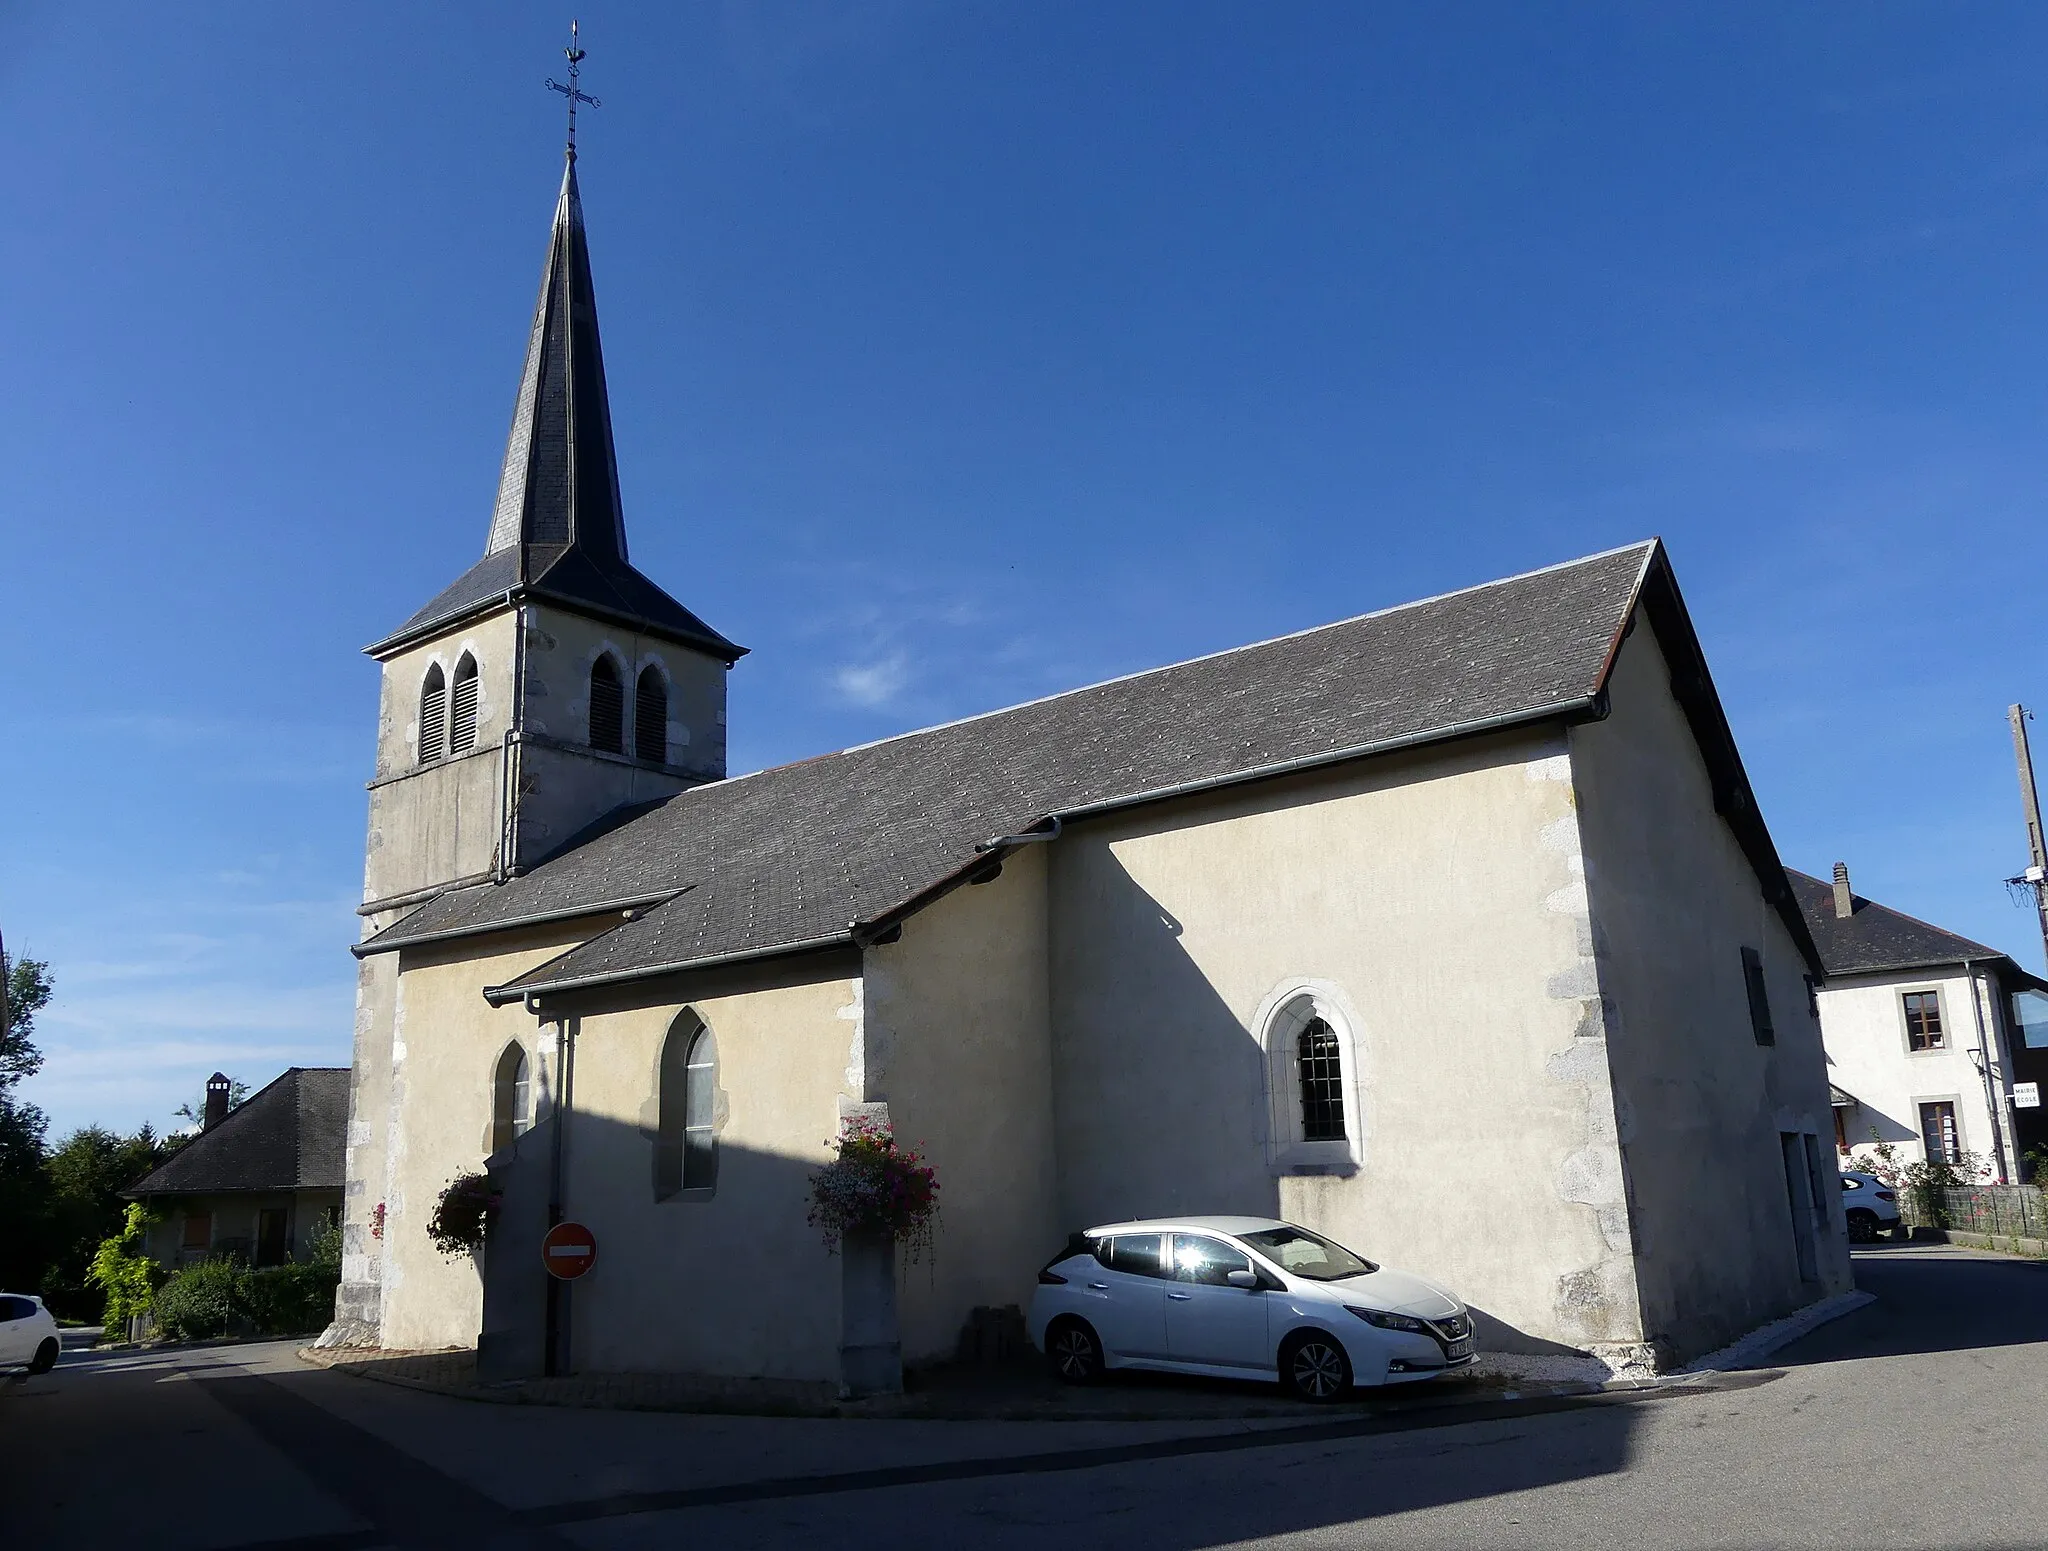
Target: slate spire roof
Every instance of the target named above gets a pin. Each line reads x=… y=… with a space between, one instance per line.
x=558 y=530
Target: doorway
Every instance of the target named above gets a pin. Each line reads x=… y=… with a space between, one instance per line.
x=270 y=1239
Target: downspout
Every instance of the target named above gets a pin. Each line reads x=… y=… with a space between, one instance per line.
x=508 y=751
x=1991 y=1097
x=555 y=1351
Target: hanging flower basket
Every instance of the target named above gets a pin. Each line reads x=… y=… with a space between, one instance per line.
x=873 y=1187
x=463 y=1216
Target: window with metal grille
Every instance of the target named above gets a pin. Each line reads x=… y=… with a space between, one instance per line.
x=433 y=706
x=1759 y=997
x=462 y=707
x=1321 y=1064
x=1923 y=1020
x=686 y=1136
x=650 y=716
x=607 y=707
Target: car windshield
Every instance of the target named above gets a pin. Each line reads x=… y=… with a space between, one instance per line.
x=1308 y=1255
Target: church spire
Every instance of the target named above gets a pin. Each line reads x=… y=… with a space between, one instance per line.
x=559 y=486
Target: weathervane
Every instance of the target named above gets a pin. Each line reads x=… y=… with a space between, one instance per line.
x=570 y=91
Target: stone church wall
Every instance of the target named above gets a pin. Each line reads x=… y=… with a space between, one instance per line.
x=957 y=1042
x=1431 y=904
x=1674 y=902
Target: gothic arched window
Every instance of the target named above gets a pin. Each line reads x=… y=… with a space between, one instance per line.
x=1320 y=1061
x=462 y=707
x=511 y=1098
x=686 y=1143
x=650 y=716
x=607 y=707
x=433 y=704
x=1312 y=1093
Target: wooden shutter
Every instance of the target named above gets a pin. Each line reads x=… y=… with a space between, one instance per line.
x=607 y=708
x=462 y=709
x=1759 y=997
x=650 y=717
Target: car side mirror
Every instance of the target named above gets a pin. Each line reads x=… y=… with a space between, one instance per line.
x=1245 y=1279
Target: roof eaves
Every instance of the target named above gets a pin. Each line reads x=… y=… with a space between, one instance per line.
x=379 y=944
x=525 y=988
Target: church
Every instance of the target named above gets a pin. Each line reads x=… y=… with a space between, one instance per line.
x=1493 y=855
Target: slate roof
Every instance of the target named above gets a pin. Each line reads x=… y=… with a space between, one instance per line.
x=1877 y=938
x=832 y=849
x=289 y=1135
x=558 y=531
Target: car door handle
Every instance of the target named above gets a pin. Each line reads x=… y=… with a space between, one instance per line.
x=1098 y=1287
x=1180 y=1297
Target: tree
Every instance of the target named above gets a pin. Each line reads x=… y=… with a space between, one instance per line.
x=87 y=1172
x=195 y=1114
x=24 y=1192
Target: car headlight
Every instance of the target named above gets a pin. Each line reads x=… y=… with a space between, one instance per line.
x=1388 y=1321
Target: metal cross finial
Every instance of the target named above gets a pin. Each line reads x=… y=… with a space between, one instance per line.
x=575 y=56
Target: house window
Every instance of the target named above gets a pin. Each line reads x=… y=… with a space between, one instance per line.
x=686 y=1141
x=1759 y=997
x=1310 y=1082
x=607 y=707
x=433 y=705
x=1923 y=1020
x=462 y=707
x=1938 y=1132
x=1321 y=1065
x=650 y=717
x=198 y=1231
x=511 y=1098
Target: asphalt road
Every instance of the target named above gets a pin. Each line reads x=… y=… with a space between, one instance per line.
x=1914 y=1422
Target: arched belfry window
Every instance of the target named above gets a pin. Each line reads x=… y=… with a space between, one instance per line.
x=1312 y=1086
x=607 y=707
x=511 y=1098
x=462 y=707
x=686 y=1143
x=650 y=716
x=433 y=718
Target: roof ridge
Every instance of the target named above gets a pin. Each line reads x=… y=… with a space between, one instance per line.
x=1893 y=910
x=1647 y=545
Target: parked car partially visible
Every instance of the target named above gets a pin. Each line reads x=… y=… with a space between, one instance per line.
x=28 y=1334
x=1870 y=1205
x=1245 y=1298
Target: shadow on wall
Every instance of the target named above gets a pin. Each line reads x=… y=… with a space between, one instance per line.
x=730 y=1280
x=1864 y=1124
x=1159 y=1092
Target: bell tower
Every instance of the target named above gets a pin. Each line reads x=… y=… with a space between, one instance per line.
x=552 y=682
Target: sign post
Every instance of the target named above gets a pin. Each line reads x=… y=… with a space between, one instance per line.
x=2026 y=1095
x=569 y=1250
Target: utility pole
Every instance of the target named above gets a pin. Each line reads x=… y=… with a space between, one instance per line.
x=2036 y=875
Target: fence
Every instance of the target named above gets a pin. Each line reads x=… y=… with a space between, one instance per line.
x=2009 y=1211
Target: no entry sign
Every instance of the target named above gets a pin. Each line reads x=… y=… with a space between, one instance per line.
x=569 y=1250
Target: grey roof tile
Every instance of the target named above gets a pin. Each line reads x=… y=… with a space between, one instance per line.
x=1876 y=938
x=289 y=1135
x=797 y=853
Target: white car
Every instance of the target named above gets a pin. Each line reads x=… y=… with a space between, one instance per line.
x=28 y=1334
x=1242 y=1298
x=1870 y=1205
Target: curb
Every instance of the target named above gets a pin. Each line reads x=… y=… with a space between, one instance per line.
x=1752 y=1349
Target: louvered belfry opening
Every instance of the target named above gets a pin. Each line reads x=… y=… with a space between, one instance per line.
x=607 y=707
x=462 y=708
x=650 y=717
x=433 y=704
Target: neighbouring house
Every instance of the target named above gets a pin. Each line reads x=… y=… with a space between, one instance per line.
x=1923 y=1032
x=1452 y=930
x=258 y=1179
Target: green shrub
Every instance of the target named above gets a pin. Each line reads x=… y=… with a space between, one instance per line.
x=202 y=1301
x=128 y=1277
x=290 y=1300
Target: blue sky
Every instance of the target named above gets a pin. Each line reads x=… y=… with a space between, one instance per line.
x=961 y=353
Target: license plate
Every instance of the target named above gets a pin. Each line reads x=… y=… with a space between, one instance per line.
x=1458 y=1349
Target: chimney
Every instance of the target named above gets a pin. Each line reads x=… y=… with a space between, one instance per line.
x=1845 y=903
x=217 y=1099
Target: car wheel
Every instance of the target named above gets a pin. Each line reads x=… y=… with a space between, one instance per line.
x=45 y=1358
x=1862 y=1226
x=1073 y=1351
x=1313 y=1367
